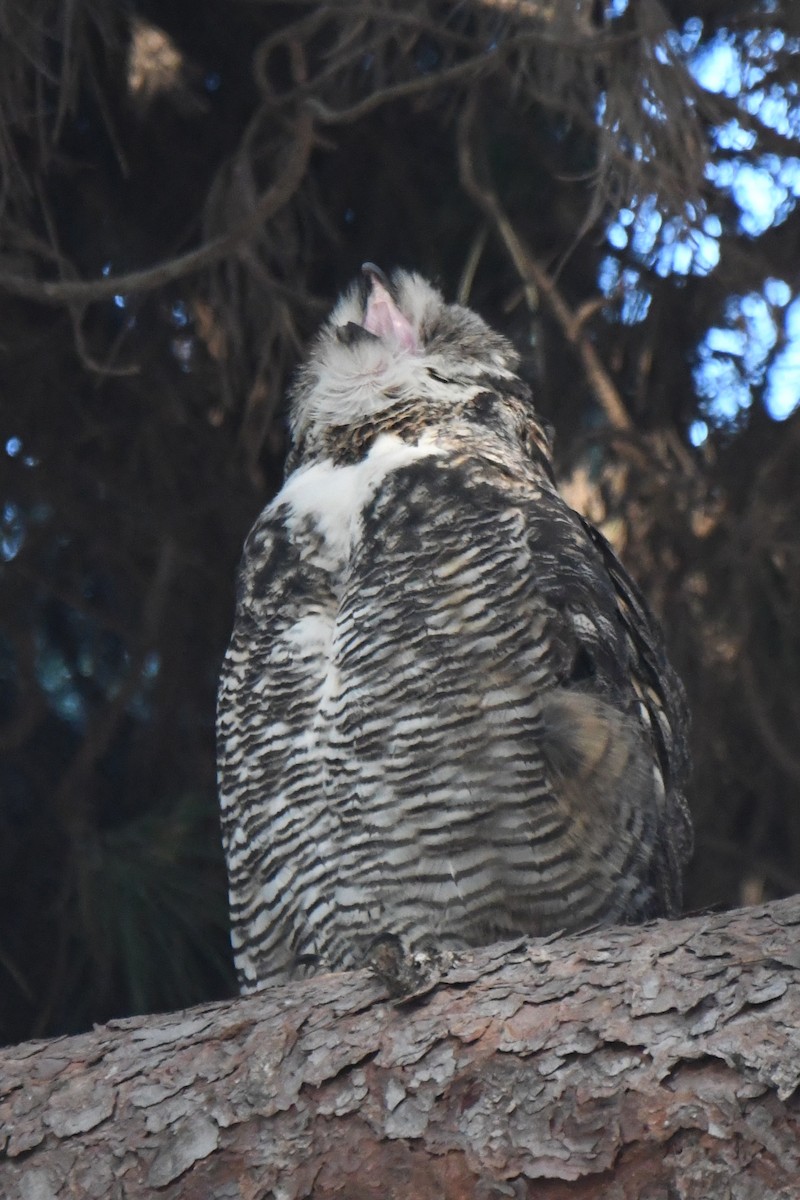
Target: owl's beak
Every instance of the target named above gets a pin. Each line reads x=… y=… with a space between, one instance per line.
x=382 y=317
x=372 y=272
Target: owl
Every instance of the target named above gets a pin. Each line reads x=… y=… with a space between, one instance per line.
x=445 y=715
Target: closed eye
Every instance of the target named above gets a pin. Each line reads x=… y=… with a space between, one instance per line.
x=434 y=374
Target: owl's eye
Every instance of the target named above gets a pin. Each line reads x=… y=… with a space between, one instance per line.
x=438 y=376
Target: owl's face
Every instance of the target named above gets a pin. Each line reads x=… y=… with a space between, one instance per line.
x=391 y=340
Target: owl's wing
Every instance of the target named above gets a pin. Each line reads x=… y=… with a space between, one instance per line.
x=664 y=709
x=269 y=689
x=614 y=712
x=659 y=688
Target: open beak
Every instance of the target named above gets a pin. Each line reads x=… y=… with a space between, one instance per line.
x=382 y=317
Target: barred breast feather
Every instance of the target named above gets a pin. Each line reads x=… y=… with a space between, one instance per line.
x=445 y=712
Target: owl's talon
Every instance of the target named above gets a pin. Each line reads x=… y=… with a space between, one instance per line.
x=406 y=973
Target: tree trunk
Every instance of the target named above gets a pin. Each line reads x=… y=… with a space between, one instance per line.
x=649 y=1063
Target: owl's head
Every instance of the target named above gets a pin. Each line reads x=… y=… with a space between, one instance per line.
x=388 y=341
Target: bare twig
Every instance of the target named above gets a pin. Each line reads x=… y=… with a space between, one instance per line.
x=473 y=68
x=87 y=291
x=530 y=272
x=476 y=249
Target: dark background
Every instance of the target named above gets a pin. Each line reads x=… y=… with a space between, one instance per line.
x=560 y=167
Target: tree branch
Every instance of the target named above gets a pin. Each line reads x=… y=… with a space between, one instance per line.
x=87 y=291
x=534 y=276
x=660 y=1060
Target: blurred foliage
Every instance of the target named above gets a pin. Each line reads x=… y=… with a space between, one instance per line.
x=185 y=187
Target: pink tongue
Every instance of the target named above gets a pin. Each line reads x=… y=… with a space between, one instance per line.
x=384 y=319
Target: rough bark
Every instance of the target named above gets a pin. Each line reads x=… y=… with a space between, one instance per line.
x=657 y=1062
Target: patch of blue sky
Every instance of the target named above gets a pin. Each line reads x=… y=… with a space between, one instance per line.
x=685 y=41
x=151 y=665
x=14 y=450
x=179 y=314
x=678 y=246
x=734 y=358
x=12 y=531
x=56 y=678
x=722 y=386
x=761 y=332
x=758 y=346
x=608 y=275
x=688 y=250
x=623 y=285
x=777 y=292
x=731 y=136
x=764 y=191
x=776 y=107
x=782 y=396
x=717 y=65
x=765 y=194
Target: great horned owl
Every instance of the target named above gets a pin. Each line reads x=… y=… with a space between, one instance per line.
x=445 y=713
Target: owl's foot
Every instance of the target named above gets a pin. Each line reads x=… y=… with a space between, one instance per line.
x=406 y=972
x=307 y=965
